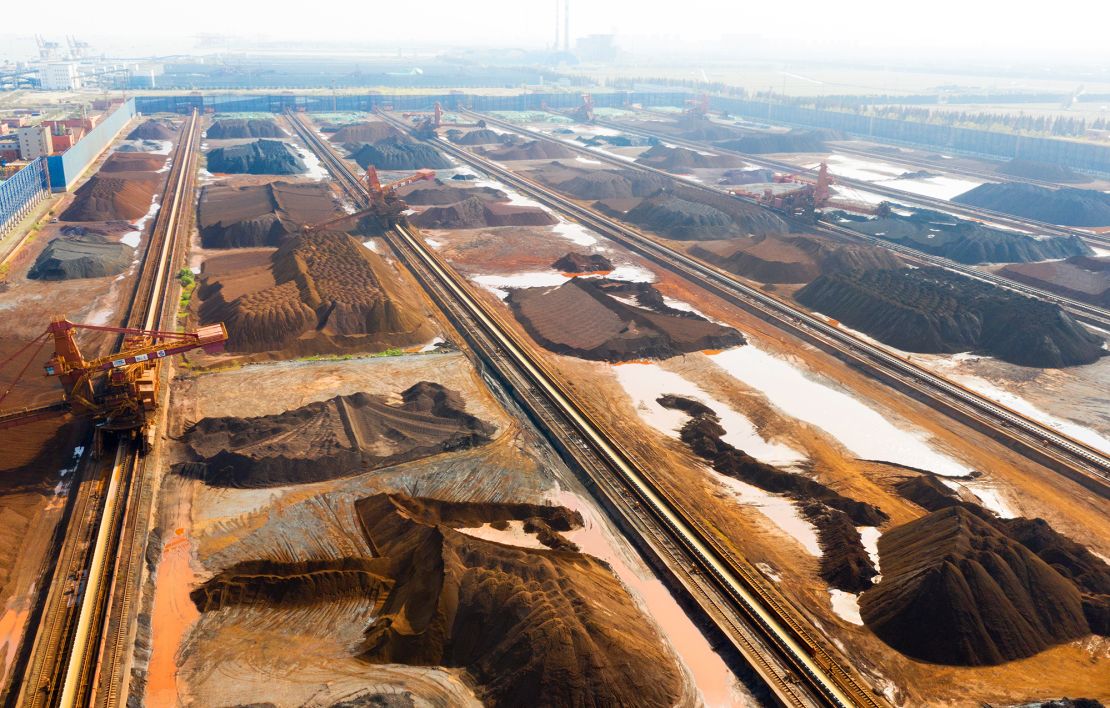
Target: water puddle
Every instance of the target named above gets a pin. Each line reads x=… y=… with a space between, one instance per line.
x=515 y=535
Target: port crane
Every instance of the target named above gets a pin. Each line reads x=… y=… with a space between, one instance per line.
x=119 y=391
x=384 y=202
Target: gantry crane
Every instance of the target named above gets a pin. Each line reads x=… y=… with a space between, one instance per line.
x=384 y=202
x=118 y=391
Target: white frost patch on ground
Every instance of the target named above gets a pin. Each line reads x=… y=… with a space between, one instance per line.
x=587 y=160
x=164 y=149
x=432 y=345
x=515 y=535
x=575 y=233
x=433 y=243
x=711 y=676
x=645 y=383
x=939 y=187
x=131 y=238
x=781 y=511
x=371 y=244
x=140 y=223
x=500 y=285
x=886 y=174
x=989 y=495
x=869 y=537
x=316 y=169
x=866 y=432
x=846 y=606
x=632 y=274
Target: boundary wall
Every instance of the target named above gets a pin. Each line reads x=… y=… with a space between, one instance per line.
x=67 y=168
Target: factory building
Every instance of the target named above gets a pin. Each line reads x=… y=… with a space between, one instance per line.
x=34 y=141
x=60 y=76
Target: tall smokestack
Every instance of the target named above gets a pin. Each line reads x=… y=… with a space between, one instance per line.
x=566 y=25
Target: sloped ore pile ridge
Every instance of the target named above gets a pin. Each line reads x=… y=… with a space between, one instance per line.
x=89 y=256
x=685 y=214
x=324 y=292
x=530 y=150
x=238 y=217
x=262 y=157
x=530 y=627
x=584 y=317
x=934 y=311
x=1067 y=206
x=244 y=128
x=845 y=563
x=800 y=259
x=957 y=591
x=476 y=212
x=961 y=240
x=113 y=196
x=1082 y=277
x=341 y=436
x=397 y=153
x=678 y=159
x=153 y=130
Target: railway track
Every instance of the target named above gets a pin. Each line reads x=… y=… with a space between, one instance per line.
x=1071 y=457
x=753 y=618
x=1084 y=312
x=911 y=198
x=72 y=656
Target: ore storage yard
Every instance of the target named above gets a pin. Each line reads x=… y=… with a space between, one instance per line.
x=357 y=373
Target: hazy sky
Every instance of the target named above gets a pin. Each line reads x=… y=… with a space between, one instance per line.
x=982 y=30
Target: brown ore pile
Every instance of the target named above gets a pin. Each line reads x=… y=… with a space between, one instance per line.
x=476 y=212
x=313 y=295
x=845 y=563
x=133 y=162
x=1084 y=278
x=679 y=159
x=261 y=215
x=114 y=196
x=792 y=259
x=440 y=193
x=955 y=590
x=528 y=627
x=325 y=440
x=583 y=263
x=592 y=318
x=530 y=150
x=154 y=130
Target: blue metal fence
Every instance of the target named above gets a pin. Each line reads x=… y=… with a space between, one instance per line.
x=66 y=168
x=20 y=193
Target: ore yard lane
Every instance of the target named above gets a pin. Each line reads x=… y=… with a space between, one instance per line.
x=1084 y=312
x=77 y=657
x=1073 y=458
x=734 y=597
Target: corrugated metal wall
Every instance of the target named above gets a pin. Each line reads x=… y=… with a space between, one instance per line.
x=66 y=168
x=20 y=193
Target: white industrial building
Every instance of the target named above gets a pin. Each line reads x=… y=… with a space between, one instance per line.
x=60 y=76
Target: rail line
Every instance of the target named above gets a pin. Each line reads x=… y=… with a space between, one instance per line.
x=72 y=654
x=977 y=213
x=1084 y=312
x=1071 y=457
x=794 y=665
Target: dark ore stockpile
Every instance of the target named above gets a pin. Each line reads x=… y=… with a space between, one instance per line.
x=397 y=153
x=599 y=184
x=788 y=259
x=955 y=590
x=758 y=175
x=963 y=241
x=794 y=141
x=476 y=212
x=1080 y=278
x=439 y=193
x=261 y=157
x=236 y=217
x=932 y=310
x=1043 y=171
x=88 y=256
x=362 y=133
x=1089 y=573
x=683 y=214
x=583 y=263
x=225 y=128
x=314 y=295
x=153 y=130
x=844 y=561
x=342 y=436
x=584 y=318
x=115 y=196
x=530 y=150
x=678 y=159
x=532 y=627
x=481 y=136
x=1067 y=206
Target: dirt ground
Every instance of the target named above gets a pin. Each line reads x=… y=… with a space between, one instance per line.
x=1077 y=668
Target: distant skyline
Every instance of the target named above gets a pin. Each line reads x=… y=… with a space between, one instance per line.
x=944 y=31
